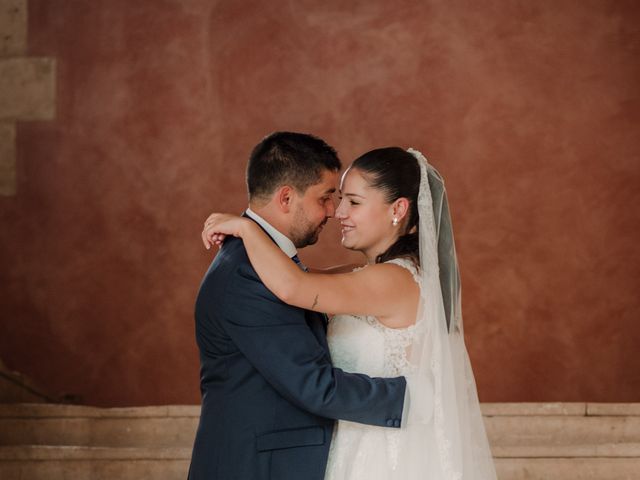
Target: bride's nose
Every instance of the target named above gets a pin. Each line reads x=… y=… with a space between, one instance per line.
x=341 y=211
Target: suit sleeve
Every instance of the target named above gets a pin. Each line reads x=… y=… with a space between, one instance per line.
x=277 y=341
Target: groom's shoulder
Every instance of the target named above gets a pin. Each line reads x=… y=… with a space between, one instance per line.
x=233 y=252
x=230 y=262
x=231 y=278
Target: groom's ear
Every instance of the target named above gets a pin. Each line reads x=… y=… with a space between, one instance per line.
x=284 y=198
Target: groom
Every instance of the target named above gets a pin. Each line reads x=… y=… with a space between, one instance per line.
x=269 y=392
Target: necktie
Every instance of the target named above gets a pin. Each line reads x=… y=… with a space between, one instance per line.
x=299 y=263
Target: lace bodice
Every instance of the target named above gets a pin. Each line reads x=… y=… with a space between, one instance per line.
x=361 y=344
x=364 y=345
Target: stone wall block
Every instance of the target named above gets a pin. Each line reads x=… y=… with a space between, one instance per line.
x=13 y=27
x=7 y=159
x=27 y=88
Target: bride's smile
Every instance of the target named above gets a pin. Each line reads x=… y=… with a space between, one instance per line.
x=366 y=216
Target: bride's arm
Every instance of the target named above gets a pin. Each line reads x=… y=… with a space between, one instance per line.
x=382 y=290
x=346 y=268
x=209 y=237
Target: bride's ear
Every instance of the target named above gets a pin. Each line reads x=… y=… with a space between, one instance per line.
x=400 y=209
x=284 y=198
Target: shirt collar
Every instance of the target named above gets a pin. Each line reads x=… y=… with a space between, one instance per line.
x=285 y=244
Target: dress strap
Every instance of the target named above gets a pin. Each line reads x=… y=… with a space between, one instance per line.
x=407 y=264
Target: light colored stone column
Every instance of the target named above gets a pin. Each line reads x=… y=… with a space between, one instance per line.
x=13 y=27
x=27 y=87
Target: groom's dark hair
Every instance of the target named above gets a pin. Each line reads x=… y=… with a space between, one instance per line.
x=288 y=158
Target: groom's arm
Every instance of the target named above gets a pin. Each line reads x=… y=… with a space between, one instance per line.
x=277 y=341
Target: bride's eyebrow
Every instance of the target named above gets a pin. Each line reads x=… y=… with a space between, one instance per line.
x=352 y=195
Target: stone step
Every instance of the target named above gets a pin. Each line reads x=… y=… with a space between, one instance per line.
x=508 y=425
x=48 y=410
x=521 y=409
x=91 y=463
x=77 y=453
x=180 y=431
x=52 y=410
x=40 y=424
x=71 y=452
x=560 y=408
x=98 y=463
x=559 y=430
x=155 y=432
x=605 y=450
x=567 y=469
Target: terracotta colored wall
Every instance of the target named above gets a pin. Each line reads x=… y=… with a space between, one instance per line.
x=529 y=109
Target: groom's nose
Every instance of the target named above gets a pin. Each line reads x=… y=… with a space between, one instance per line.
x=331 y=208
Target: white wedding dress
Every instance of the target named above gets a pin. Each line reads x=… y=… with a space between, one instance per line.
x=364 y=345
x=442 y=435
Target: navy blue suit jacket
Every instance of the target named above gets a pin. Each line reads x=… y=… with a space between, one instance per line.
x=270 y=394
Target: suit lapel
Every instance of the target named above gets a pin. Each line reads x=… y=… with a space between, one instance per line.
x=314 y=319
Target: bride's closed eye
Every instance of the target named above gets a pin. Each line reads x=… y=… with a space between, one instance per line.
x=351 y=201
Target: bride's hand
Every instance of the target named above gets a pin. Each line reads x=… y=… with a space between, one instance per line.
x=218 y=226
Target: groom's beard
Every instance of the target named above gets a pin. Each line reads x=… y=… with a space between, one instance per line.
x=304 y=233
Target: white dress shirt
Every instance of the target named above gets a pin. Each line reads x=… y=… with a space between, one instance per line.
x=285 y=244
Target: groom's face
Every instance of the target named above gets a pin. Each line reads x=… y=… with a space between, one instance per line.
x=312 y=210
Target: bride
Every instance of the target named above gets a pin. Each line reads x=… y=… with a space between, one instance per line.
x=399 y=314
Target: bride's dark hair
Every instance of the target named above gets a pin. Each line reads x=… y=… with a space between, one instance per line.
x=395 y=172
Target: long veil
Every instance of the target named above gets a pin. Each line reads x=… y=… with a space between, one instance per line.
x=444 y=436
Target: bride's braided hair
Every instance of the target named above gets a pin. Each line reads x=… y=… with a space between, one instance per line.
x=397 y=173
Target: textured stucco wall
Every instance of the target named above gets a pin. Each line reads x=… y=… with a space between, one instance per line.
x=529 y=109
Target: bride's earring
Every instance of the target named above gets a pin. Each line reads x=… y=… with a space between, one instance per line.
x=395 y=221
